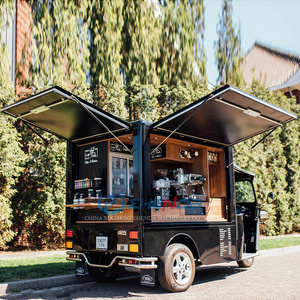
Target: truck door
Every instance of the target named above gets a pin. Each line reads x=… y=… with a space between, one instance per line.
x=247 y=213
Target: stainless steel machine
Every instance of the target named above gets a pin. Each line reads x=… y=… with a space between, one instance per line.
x=174 y=183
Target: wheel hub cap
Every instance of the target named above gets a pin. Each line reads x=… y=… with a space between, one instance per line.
x=182 y=268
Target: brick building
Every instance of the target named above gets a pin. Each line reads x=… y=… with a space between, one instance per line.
x=275 y=69
x=14 y=36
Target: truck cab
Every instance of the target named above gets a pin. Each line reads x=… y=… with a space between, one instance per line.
x=156 y=198
x=247 y=215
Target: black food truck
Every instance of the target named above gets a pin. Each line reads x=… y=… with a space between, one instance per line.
x=156 y=198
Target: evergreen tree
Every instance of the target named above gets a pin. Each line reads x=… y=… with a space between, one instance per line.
x=59 y=43
x=228 y=47
x=140 y=42
x=11 y=155
x=182 y=57
x=105 y=23
x=59 y=59
x=275 y=161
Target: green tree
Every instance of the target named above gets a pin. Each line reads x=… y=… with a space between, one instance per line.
x=182 y=55
x=59 y=58
x=275 y=161
x=11 y=159
x=290 y=139
x=105 y=25
x=173 y=98
x=228 y=47
x=110 y=98
x=140 y=42
x=11 y=155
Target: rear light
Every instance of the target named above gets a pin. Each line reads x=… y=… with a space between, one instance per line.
x=69 y=244
x=134 y=247
x=134 y=235
x=69 y=233
x=71 y=256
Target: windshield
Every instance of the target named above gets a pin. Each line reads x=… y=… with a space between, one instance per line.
x=244 y=192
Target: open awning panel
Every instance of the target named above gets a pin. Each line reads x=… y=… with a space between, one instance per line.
x=65 y=115
x=226 y=116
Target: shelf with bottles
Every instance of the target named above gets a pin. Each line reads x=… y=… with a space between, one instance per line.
x=213 y=157
x=97 y=201
x=91 y=196
x=87 y=183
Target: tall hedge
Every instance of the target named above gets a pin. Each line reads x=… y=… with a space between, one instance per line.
x=275 y=162
x=11 y=155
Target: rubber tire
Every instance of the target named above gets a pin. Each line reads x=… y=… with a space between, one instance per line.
x=165 y=268
x=246 y=263
x=104 y=275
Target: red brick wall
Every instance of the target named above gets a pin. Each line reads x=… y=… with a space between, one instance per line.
x=23 y=43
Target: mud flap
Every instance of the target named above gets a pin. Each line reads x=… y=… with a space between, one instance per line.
x=147 y=277
x=80 y=268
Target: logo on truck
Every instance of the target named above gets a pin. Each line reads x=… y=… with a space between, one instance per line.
x=91 y=155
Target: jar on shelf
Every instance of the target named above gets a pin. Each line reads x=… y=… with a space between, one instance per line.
x=97 y=182
x=90 y=193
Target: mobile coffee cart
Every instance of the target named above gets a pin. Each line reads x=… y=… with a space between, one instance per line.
x=163 y=196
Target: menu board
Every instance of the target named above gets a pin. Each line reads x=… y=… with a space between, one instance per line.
x=225 y=240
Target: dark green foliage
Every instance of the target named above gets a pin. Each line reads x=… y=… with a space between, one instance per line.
x=11 y=156
x=59 y=43
x=11 y=159
x=275 y=161
x=140 y=42
x=228 y=47
x=182 y=57
x=105 y=24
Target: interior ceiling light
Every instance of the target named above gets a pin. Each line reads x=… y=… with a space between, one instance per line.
x=39 y=109
x=248 y=111
x=251 y=112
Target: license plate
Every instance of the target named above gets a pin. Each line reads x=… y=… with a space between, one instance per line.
x=101 y=242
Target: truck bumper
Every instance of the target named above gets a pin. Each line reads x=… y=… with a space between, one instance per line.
x=148 y=263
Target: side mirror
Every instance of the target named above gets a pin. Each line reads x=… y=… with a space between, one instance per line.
x=270 y=197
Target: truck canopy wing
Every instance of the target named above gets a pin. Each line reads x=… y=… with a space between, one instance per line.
x=60 y=112
x=226 y=117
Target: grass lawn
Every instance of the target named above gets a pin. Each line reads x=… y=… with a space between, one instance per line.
x=37 y=267
x=278 y=242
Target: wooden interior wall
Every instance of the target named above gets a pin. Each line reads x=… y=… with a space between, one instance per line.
x=217 y=177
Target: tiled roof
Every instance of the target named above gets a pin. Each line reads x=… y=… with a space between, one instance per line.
x=270 y=66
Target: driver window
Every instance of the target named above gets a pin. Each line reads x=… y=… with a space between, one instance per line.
x=244 y=192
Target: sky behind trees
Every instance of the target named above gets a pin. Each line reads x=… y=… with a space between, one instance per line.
x=272 y=22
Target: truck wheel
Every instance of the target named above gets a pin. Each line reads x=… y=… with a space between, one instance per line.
x=176 y=270
x=104 y=274
x=246 y=263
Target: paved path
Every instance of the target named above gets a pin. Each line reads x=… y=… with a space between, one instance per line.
x=274 y=275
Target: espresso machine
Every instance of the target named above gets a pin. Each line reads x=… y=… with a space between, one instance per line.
x=161 y=186
x=174 y=183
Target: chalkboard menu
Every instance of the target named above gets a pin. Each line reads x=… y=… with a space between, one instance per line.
x=92 y=162
x=158 y=152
